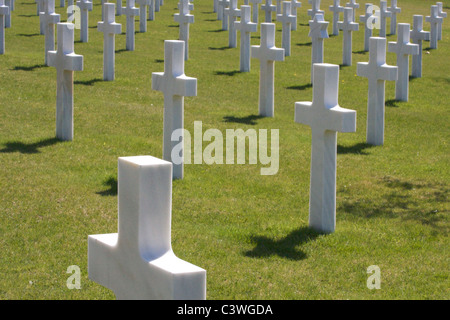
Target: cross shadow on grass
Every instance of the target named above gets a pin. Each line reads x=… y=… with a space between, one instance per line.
x=218 y=48
x=360 y=52
x=306 y=44
x=355 y=149
x=28 y=34
x=250 y=120
x=286 y=247
x=88 y=82
x=28 y=148
x=29 y=68
x=301 y=87
x=226 y=73
x=111 y=183
x=393 y=103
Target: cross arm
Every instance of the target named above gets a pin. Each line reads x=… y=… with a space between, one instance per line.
x=53 y=18
x=4 y=10
x=187 y=18
x=73 y=62
x=113 y=27
x=246 y=27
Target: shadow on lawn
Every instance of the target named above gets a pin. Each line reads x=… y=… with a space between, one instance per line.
x=245 y=120
x=286 y=247
x=111 y=183
x=355 y=149
x=28 y=148
x=88 y=82
x=28 y=68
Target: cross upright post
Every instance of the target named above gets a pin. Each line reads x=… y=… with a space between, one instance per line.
x=245 y=26
x=315 y=9
x=224 y=4
x=66 y=62
x=4 y=11
x=138 y=262
x=336 y=8
x=384 y=14
x=294 y=5
x=49 y=19
x=287 y=20
x=378 y=72
x=417 y=36
x=367 y=30
x=403 y=48
x=326 y=118
x=184 y=19
x=394 y=10
x=267 y=54
x=232 y=12
x=441 y=14
x=85 y=6
x=8 y=17
x=347 y=26
x=435 y=21
x=352 y=4
x=143 y=4
x=317 y=32
x=175 y=85
x=268 y=8
x=130 y=11
x=255 y=10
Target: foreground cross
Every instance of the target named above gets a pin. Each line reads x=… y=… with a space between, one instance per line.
x=377 y=71
x=287 y=20
x=175 y=85
x=435 y=22
x=245 y=27
x=110 y=28
x=318 y=32
x=367 y=27
x=138 y=262
x=4 y=11
x=394 y=10
x=143 y=14
x=403 y=48
x=441 y=14
x=268 y=8
x=336 y=8
x=232 y=12
x=347 y=26
x=417 y=36
x=85 y=6
x=384 y=14
x=326 y=118
x=49 y=19
x=184 y=19
x=267 y=54
x=130 y=11
x=66 y=62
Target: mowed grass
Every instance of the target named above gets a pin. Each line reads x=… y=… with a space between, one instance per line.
x=250 y=232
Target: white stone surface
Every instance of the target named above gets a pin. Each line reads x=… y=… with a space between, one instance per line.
x=184 y=19
x=367 y=30
x=278 y=11
x=394 y=10
x=441 y=14
x=435 y=23
x=326 y=118
x=175 y=85
x=315 y=9
x=85 y=6
x=417 y=36
x=384 y=14
x=347 y=26
x=336 y=8
x=4 y=11
x=143 y=4
x=40 y=8
x=255 y=10
x=287 y=20
x=118 y=7
x=151 y=10
x=403 y=48
x=232 y=12
x=49 y=19
x=245 y=26
x=317 y=32
x=377 y=72
x=352 y=4
x=8 y=16
x=130 y=11
x=66 y=62
x=267 y=54
x=110 y=28
x=294 y=6
x=223 y=4
x=268 y=8
x=138 y=262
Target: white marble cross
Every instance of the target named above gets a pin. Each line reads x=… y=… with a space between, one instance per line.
x=223 y=4
x=347 y=26
x=39 y=6
x=255 y=8
x=315 y=9
x=4 y=11
x=435 y=22
x=394 y=10
x=8 y=16
x=110 y=28
x=294 y=5
x=417 y=36
x=268 y=8
x=232 y=12
x=138 y=262
x=318 y=31
x=190 y=6
x=365 y=19
x=352 y=4
x=441 y=14
x=118 y=7
x=184 y=19
x=267 y=54
x=336 y=8
x=377 y=71
x=175 y=85
x=130 y=11
x=403 y=48
x=66 y=62
x=287 y=20
x=384 y=14
x=278 y=10
x=326 y=118
x=245 y=26
x=143 y=4
x=85 y=6
x=151 y=10
x=49 y=19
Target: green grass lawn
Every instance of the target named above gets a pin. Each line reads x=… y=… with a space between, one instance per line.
x=249 y=231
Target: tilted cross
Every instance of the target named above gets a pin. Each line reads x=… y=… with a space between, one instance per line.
x=287 y=20
x=175 y=85
x=336 y=9
x=66 y=62
x=317 y=32
x=417 y=36
x=184 y=19
x=49 y=19
x=347 y=26
x=245 y=26
x=110 y=28
x=138 y=262
x=326 y=118
x=377 y=71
